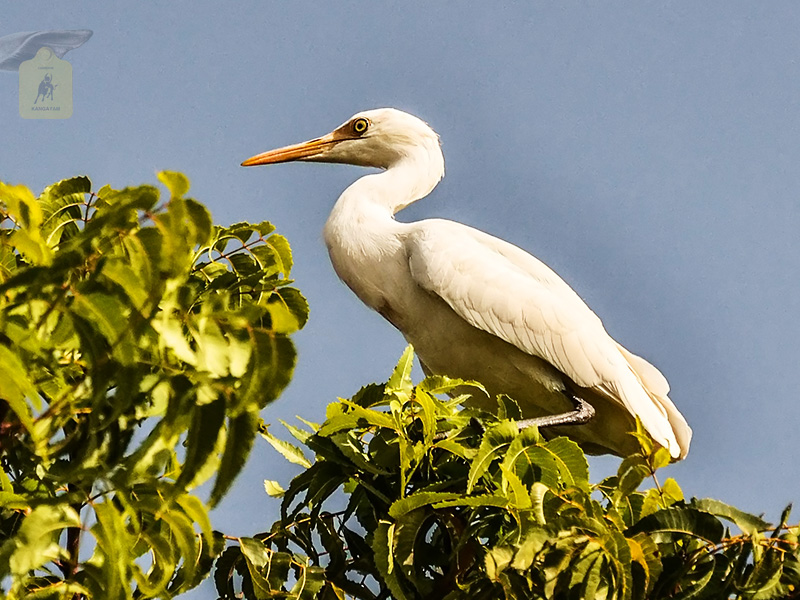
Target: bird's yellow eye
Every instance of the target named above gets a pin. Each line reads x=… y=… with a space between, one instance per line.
x=360 y=125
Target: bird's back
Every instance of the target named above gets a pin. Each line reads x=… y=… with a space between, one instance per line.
x=502 y=317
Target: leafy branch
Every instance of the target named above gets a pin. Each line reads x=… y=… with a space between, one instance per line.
x=131 y=371
x=437 y=508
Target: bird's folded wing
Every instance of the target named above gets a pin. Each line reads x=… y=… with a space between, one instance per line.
x=499 y=288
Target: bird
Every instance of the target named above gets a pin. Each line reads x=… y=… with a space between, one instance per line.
x=474 y=306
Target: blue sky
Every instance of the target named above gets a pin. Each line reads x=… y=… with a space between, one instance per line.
x=646 y=151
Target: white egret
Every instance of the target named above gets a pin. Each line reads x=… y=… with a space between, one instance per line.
x=477 y=307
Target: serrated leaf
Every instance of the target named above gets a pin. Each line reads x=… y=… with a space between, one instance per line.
x=516 y=492
x=197 y=512
x=630 y=474
x=405 y=505
x=667 y=523
x=273 y=488
x=174 y=338
x=570 y=459
x=296 y=303
x=284 y=252
x=475 y=501
x=299 y=434
x=671 y=492
x=289 y=451
x=400 y=381
x=496 y=440
x=383 y=549
x=749 y=524
x=356 y=416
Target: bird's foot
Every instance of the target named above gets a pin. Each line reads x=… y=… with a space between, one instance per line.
x=583 y=413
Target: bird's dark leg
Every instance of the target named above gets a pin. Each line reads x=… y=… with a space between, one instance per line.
x=583 y=413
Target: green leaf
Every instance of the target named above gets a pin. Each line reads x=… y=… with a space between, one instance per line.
x=36 y=541
x=289 y=451
x=15 y=387
x=291 y=300
x=119 y=344
x=356 y=417
x=400 y=381
x=21 y=205
x=199 y=218
x=475 y=501
x=273 y=488
x=266 y=568
x=383 y=548
x=516 y=492
x=174 y=338
x=80 y=185
x=670 y=523
x=63 y=205
x=11 y=501
x=109 y=318
x=496 y=442
x=645 y=553
x=571 y=461
x=32 y=246
x=283 y=319
x=280 y=246
x=310 y=581
x=630 y=474
x=239 y=442
x=405 y=505
x=749 y=524
x=206 y=426
x=197 y=512
x=176 y=183
x=120 y=272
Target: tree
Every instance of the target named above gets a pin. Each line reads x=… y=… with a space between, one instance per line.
x=138 y=344
x=409 y=496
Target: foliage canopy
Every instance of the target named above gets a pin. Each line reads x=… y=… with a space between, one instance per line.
x=138 y=343
x=411 y=497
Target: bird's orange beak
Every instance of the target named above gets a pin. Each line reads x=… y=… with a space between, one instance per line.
x=304 y=150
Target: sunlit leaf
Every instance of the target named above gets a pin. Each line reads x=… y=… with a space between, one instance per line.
x=291 y=452
x=176 y=183
x=36 y=541
x=748 y=523
x=401 y=377
x=273 y=488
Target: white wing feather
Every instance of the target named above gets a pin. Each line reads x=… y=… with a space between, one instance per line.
x=499 y=288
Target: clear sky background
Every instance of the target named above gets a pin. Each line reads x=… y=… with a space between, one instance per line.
x=649 y=152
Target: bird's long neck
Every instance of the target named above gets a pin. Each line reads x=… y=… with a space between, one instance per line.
x=364 y=241
x=364 y=212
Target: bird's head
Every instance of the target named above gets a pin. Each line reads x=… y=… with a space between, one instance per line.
x=374 y=138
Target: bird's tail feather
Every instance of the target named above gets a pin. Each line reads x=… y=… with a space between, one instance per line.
x=656 y=386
